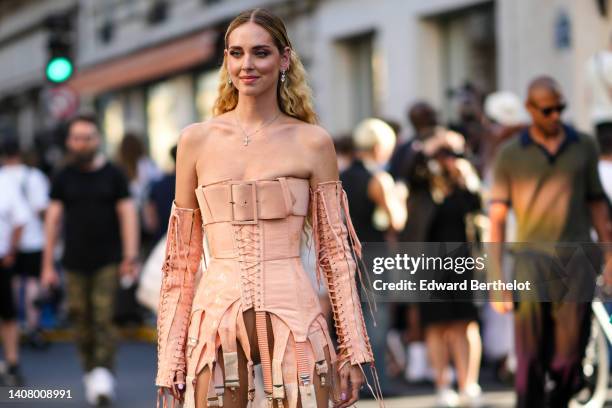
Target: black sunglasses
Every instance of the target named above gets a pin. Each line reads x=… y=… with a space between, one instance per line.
x=549 y=110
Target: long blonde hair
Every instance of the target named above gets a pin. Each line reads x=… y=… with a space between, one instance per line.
x=294 y=95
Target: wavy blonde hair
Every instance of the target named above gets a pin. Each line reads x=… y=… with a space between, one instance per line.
x=294 y=95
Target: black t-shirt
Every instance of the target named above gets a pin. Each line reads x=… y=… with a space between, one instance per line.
x=161 y=195
x=355 y=180
x=91 y=223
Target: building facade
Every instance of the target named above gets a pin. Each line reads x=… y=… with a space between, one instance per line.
x=395 y=52
x=23 y=55
x=150 y=66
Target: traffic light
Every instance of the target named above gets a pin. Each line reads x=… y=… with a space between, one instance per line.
x=60 y=65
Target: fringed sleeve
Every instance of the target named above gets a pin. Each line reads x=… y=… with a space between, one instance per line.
x=183 y=255
x=338 y=253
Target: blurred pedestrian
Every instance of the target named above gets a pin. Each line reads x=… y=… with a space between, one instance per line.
x=599 y=91
x=136 y=164
x=156 y=210
x=369 y=187
x=32 y=185
x=423 y=118
x=450 y=322
x=471 y=123
x=13 y=217
x=505 y=117
x=91 y=196
x=424 y=121
x=548 y=177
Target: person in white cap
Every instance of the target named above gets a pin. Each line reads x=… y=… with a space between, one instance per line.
x=506 y=117
x=599 y=92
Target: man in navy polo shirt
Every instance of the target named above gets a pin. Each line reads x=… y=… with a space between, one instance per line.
x=548 y=176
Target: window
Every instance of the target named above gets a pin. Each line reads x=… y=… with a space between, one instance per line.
x=206 y=93
x=158 y=12
x=169 y=110
x=111 y=107
x=354 y=80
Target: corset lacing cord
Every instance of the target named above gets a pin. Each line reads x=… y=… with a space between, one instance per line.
x=173 y=252
x=322 y=252
x=247 y=244
x=324 y=235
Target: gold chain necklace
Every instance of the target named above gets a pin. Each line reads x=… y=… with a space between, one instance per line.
x=246 y=139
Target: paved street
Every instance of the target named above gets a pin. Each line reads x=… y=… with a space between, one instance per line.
x=58 y=368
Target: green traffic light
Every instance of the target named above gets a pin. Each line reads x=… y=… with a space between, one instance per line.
x=59 y=69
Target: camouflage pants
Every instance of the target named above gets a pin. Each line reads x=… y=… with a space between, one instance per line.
x=91 y=304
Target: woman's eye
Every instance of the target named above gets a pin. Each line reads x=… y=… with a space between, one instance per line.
x=235 y=53
x=261 y=53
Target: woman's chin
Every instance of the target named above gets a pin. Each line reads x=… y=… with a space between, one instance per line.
x=252 y=90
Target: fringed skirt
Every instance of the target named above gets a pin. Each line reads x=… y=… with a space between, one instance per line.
x=217 y=328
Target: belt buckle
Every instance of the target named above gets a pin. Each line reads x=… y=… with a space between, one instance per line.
x=253 y=185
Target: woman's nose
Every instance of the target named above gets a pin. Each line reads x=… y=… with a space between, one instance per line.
x=247 y=62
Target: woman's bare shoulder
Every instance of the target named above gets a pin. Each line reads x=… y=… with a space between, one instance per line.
x=314 y=138
x=196 y=134
x=319 y=153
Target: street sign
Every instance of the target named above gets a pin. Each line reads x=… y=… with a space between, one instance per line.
x=61 y=101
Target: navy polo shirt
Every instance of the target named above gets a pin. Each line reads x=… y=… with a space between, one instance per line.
x=549 y=193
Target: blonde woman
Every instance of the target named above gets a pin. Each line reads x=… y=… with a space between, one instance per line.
x=249 y=179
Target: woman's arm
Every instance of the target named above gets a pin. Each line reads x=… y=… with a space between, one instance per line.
x=186 y=157
x=183 y=255
x=321 y=156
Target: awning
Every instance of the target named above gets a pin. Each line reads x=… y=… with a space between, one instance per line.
x=146 y=65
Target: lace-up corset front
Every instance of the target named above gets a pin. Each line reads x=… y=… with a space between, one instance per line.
x=255 y=229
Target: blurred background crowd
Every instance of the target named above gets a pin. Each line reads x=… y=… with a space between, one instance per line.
x=418 y=95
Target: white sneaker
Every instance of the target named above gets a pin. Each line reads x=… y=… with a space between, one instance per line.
x=417 y=366
x=471 y=396
x=447 y=397
x=100 y=387
x=89 y=391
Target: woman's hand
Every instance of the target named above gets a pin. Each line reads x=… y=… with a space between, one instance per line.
x=351 y=381
x=178 y=389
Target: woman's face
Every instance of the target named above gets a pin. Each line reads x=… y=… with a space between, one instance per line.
x=253 y=60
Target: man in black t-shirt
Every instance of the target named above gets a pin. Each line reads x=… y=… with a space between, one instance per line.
x=159 y=202
x=100 y=228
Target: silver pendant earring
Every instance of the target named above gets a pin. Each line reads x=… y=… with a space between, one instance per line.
x=229 y=81
x=283 y=76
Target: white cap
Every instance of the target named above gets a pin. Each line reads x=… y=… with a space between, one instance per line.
x=505 y=108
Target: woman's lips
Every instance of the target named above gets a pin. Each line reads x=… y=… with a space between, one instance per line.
x=248 y=79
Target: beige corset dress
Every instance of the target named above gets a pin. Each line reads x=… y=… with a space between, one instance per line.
x=254 y=230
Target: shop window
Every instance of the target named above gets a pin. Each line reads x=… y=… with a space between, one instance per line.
x=170 y=108
x=206 y=93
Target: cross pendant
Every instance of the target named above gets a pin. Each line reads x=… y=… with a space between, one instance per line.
x=246 y=140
